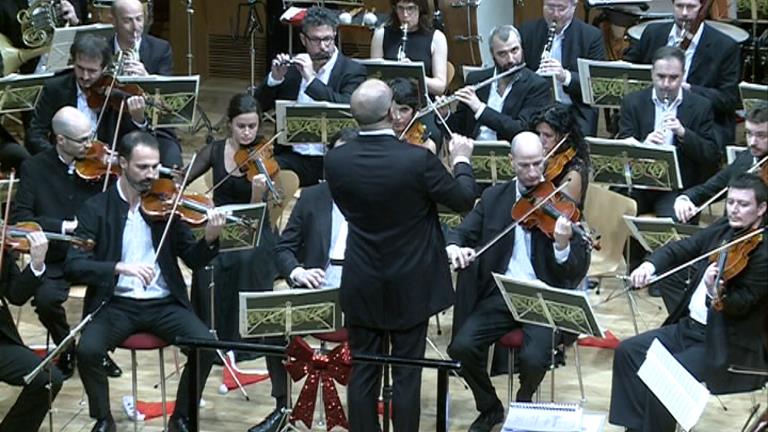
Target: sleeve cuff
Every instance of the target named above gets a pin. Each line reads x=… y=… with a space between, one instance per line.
x=293 y=274
x=143 y=125
x=36 y=272
x=480 y=112
x=459 y=159
x=568 y=77
x=271 y=82
x=561 y=255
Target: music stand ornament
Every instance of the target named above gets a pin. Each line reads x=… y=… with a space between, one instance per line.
x=309 y=123
x=19 y=93
x=605 y=83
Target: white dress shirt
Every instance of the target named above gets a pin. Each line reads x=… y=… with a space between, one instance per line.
x=557 y=53
x=661 y=111
x=496 y=103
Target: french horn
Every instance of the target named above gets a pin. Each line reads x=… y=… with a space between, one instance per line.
x=38 y=21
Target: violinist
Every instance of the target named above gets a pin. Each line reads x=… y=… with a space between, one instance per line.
x=718 y=324
x=570 y=160
x=77 y=87
x=137 y=276
x=405 y=104
x=481 y=316
x=50 y=192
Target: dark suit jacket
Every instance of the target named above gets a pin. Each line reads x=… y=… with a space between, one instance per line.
x=155 y=53
x=489 y=217
x=102 y=219
x=580 y=40
x=734 y=335
x=715 y=71
x=14 y=285
x=529 y=93
x=48 y=195
x=700 y=193
x=60 y=91
x=395 y=268
x=698 y=153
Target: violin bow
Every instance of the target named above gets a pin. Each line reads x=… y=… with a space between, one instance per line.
x=717 y=196
x=114 y=145
x=559 y=144
x=4 y=230
x=107 y=95
x=237 y=168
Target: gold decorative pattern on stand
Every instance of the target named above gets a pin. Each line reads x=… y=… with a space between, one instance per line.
x=320 y=315
x=657 y=171
x=320 y=127
x=615 y=88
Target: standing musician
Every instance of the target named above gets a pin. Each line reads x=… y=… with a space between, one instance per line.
x=556 y=53
x=560 y=260
x=136 y=275
x=395 y=269
x=570 y=161
x=406 y=102
x=719 y=322
x=423 y=43
x=91 y=55
x=16 y=360
x=712 y=67
x=504 y=108
x=50 y=191
x=323 y=73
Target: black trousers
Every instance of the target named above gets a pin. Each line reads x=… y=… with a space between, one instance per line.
x=49 y=305
x=28 y=413
x=122 y=317
x=12 y=154
x=309 y=169
x=485 y=325
x=365 y=381
x=633 y=405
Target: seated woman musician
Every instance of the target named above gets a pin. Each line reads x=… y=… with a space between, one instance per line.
x=570 y=160
x=405 y=94
x=409 y=36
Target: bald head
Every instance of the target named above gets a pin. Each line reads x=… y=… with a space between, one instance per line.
x=122 y=7
x=70 y=122
x=526 y=143
x=528 y=157
x=128 y=19
x=371 y=102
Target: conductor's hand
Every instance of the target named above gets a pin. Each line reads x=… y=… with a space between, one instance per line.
x=468 y=96
x=563 y=233
x=144 y=272
x=460 y=146
x=642 y=274
x=280 y=66
x=684 y=208
x=312 y=278
x=38 y=247
x=136 y=106
x=216 y=221
x=460 y=257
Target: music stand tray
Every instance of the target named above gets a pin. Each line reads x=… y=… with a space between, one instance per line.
x=534 y=302
x=630 y=163
x=63 y=37
x=308 y=123
x=235 y=236
x=20 y=92
x=386 y=70
x=751 y=94
x=289 y=312
x=176 y=94
x=604 y=83
x=653 y=233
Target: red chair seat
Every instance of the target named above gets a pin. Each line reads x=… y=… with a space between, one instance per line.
x=337 y=336
x=143 y=341
x=513 y=339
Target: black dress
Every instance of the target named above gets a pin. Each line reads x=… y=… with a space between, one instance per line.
x=233 y=272
x=417 y=48
x=580 y=166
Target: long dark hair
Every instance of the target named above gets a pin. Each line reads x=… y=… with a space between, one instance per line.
x=562 y=120
x=425 y=14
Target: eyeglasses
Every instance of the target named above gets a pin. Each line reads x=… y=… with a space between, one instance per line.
x=82 y=140
x=407 y=8
x=323 y=40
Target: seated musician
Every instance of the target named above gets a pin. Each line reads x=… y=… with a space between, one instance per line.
x=669 y=114
x=138 y=291
x=28 y=413
x=91 y=55
x=405 y=94
x=560 y=261
x=557 y=53
x=717 y=325
x=321 y=74
x=50 y=193
x=712 y=67
x=570 y=160
x=503 y=109
x=423 y=43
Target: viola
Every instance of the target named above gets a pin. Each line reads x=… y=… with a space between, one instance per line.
x=192 y=208
x=16 y=237
x=556 y=164
x=259 y=159
x=732 y=261
x=545 y=217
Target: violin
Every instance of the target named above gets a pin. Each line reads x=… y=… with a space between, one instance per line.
x=416 y=134
x=158 y=202
x=97 y=94
x=259 y=159
x=545 y=217
x=556 y=164
x=96 y=164
x=732 y=261
x=16 y=237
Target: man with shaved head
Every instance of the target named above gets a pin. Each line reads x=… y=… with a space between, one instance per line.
x=49 y=193
x=560 y=261
x=396 y=271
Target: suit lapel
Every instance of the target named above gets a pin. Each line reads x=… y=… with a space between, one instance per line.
x=484 y=93
x=568 y=50
x=699 y=63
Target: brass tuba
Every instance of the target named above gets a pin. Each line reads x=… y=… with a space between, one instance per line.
x=14 y=57
x=38 y=21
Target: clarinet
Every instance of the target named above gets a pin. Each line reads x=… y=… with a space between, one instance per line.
x=550 y=40
x=401 y=56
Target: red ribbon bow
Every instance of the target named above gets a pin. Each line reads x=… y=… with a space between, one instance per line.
x=336 y=365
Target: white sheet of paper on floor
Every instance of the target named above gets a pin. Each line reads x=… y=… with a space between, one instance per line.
x=543 y=417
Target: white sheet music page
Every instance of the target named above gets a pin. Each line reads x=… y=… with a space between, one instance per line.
x=543 y=417
x=682 y=395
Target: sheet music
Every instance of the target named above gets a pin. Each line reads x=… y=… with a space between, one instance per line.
x=624 y=141
x=683 y=396
x=543 y=417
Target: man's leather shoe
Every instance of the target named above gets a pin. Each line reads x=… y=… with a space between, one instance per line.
x=487 y=420
x=110 y=367
x=178 y=424
x=66 y=363
x=104 y=425
x=271 y=423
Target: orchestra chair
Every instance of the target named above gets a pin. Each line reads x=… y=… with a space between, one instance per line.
x=145 y=341
x=287 y=183
x=450 y=74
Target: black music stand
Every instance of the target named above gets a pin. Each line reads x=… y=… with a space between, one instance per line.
x=386 y=70
x=176 y=94
x=64 y=37
x=752 y=94
x=653 y=232
x=19 y=93
x=604 y=83
x=307 y=123
x=235 y=236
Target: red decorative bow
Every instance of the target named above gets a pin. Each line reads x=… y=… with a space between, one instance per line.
x=336 y=365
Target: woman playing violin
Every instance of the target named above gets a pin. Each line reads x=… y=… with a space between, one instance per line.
x=405 y=95
x=570 y=160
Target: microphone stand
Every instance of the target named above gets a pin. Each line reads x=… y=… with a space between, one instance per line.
x=254 y=25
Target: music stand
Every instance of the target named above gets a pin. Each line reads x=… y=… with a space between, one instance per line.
x=386 y=70
x=604 y=83
x=752 y=94
x=64 y=37
x=235 y=236
x=631 y=164
x=314 y=122
x=490 y=162
x=653 y=233
x=177 y=95
x=20 y=93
